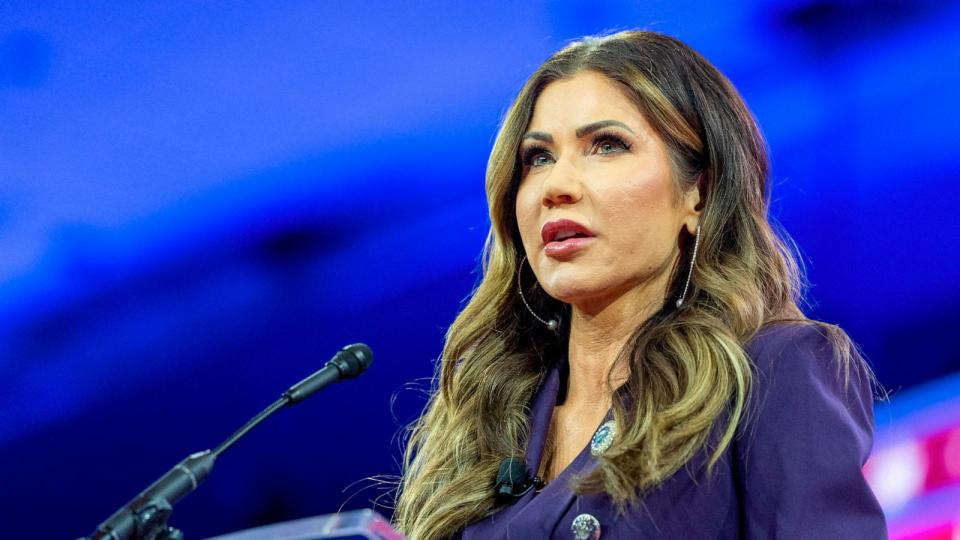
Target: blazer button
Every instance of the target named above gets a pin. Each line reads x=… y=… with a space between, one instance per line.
x=585 y=527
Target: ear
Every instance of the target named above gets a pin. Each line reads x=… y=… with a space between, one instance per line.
x=693 y=205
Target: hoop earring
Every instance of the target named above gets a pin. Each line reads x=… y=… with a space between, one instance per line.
x=693 y=260
x=553 y=324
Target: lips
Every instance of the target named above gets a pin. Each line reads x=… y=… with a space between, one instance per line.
x=562 y=229
x=563 y=238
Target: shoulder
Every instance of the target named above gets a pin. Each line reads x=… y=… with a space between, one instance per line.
x=805 y=370
x=805 y=434
x=792 y=340
x=793 y=355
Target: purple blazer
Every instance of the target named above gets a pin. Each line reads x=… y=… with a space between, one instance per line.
x=794 y=472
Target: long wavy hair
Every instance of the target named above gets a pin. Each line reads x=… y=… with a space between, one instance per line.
x=689 y=377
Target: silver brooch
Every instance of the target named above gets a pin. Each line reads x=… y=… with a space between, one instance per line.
x=603 y=438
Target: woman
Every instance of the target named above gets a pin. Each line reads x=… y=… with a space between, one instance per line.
x=635 y=340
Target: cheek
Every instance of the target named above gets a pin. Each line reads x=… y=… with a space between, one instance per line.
x=526 y=212
x=638 y=198
x=642 y=212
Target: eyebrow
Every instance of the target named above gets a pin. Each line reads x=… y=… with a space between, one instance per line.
x=580 y=132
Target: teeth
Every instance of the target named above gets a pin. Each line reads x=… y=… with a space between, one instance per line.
x=564 y=235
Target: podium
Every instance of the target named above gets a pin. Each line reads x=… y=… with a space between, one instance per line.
x=356 y=524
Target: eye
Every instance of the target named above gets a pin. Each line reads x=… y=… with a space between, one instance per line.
x=609 y=143
x=536 y=156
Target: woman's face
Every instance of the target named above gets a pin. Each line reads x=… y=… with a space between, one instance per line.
x=597 y=207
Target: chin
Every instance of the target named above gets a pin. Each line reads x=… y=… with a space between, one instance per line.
x=573 y=292
x=585 y=289
x=575 y=280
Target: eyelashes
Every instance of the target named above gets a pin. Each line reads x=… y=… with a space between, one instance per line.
x=619 y=143
x=603 y=143
x=532 y=152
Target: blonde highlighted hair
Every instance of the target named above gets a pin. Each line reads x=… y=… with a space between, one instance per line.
x=689 y=375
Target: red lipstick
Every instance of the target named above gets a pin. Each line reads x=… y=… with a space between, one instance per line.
x=563 y=237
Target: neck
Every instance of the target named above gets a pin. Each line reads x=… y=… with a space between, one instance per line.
x=598 y=333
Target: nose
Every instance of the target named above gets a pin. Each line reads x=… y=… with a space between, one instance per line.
x=563 y=185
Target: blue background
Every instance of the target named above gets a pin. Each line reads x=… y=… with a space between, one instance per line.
x=200 y=202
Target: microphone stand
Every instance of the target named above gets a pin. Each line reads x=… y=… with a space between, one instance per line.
x=145 y=517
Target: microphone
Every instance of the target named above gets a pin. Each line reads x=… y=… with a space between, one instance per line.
x=145 y=517
x=348 y=363
x=514 y=481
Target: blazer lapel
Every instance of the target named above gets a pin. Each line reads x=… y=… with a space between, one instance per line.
x=545 y=509
x=540 y=413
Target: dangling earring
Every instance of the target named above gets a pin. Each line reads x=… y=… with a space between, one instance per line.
x=693 y=260
x=554 y=323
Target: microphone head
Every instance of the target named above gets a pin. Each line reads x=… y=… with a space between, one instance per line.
x=353 y=360
x=513 y=480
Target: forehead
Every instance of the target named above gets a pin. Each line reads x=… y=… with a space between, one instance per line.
x=584 y=98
